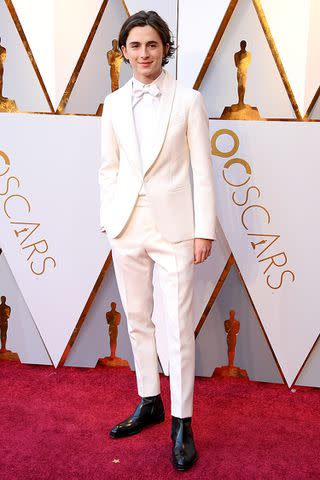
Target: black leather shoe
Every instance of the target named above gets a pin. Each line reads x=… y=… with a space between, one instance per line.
x=184 y=453
x=149 y=411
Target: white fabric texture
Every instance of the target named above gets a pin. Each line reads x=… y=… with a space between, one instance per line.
x=151 y=140
x=135 y=252
x=181 y=145
x=145 y=105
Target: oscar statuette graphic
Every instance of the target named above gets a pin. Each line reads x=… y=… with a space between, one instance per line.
x=115 y=59
x=232 y=328
x=240 y=110
x=5 y=312
x=113 y=320
x=6 y=105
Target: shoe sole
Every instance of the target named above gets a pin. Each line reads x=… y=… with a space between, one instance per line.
x=137 y=430
x=181 y=468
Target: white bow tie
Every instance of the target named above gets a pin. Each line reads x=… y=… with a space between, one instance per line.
x=153 y=90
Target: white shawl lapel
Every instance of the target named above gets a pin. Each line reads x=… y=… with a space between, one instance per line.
x=126 y=127
x=168 y=89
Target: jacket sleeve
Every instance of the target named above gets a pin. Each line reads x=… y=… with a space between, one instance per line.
x=202 y=171
x=108 y=171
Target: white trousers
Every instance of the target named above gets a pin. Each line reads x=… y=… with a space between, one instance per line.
x=135 y=251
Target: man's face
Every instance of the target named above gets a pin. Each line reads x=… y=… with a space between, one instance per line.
x=145 y=52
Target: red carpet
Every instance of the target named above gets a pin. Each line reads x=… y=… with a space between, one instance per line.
x=54 y=426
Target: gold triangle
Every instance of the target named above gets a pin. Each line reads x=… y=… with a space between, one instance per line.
x=265 y=27
x=224 y=275
x=26 y=45
x=125 y=8
x=65 y=98
x=85 y=310
x=262 y=327
x=304 y=363
x=215 y=43
x=215 y=293
x=312 y=105
x=271 y=43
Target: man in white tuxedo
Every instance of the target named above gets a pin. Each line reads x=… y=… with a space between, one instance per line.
x=155 y=212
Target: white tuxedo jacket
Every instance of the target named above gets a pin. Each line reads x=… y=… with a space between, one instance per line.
x=183 y=204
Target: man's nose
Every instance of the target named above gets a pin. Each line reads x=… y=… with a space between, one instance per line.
x=144 y=51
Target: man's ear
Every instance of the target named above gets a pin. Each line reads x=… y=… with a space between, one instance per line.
x=124 y=51
x=167 y=49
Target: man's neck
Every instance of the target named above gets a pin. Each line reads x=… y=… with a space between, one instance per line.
x=146 y=80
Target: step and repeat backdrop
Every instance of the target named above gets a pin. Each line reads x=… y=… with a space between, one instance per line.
x=256 y=62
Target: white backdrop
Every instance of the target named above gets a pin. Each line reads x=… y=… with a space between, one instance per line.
x=271 y=206
x=53 y=197
x=55 y=160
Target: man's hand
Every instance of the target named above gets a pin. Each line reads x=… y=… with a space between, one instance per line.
x=202 y=249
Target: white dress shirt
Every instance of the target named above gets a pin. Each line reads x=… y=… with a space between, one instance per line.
x=145 y=105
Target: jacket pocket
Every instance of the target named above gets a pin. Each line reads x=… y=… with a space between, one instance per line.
x=178 y=188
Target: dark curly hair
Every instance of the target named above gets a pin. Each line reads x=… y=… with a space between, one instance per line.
x=151 y=18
